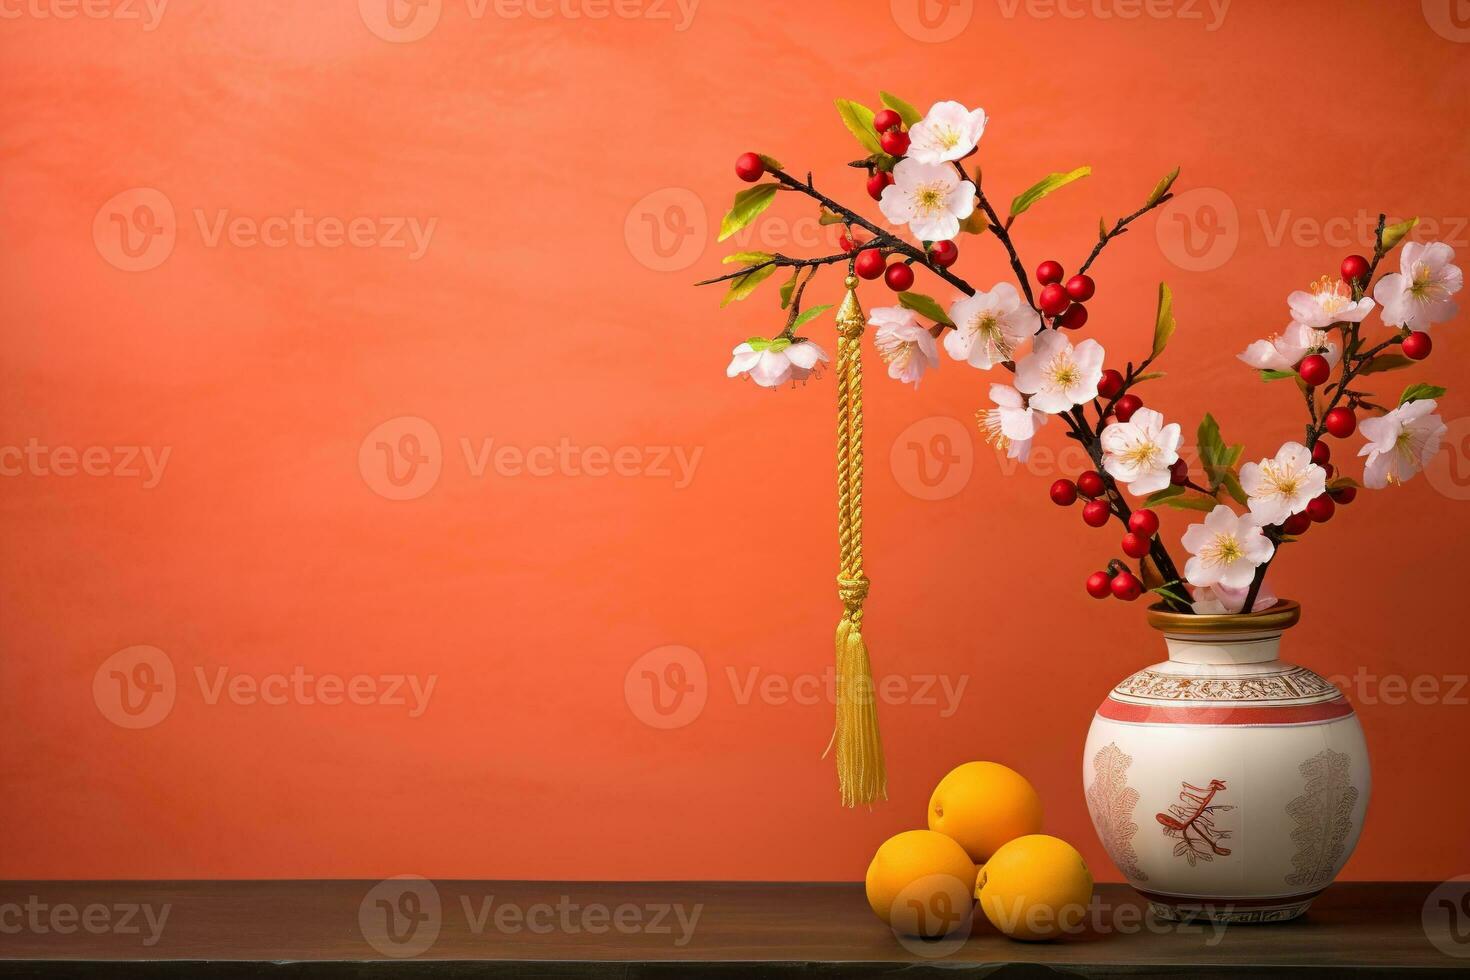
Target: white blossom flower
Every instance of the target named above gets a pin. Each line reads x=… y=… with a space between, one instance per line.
x=1326 y=303
x=1419 y=294
x=1400 y=443
x=928 y=197
x=1283 y=486
x=772 y=363
x=905 y=344
x=1140 y=451
x=1217 y=599
x=1225 y=549
x=1058 y=376
x=1283 y=351
x=990 y=327
x=1012 y=424
x=948 y=132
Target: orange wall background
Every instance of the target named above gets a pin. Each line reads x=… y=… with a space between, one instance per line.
x=566 y=172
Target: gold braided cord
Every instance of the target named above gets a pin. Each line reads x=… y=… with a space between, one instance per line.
x=861 y=776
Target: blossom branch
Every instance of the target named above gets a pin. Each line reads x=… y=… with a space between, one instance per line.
x=1120 y=227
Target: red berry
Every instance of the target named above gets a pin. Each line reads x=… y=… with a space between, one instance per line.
x=1296 y=524
x=1049 y=272
x=1417 y=345
x=1081 y=288
x=1345 y=495
x=1090 y=484
x=1144 y=522
x=886 y=119
x=1179 y=473
x=1073 y=317
x=1314 y=369
x=1321 y=508
x=1126 y=586
x=1354 y=267
x=1135 y=545
x=1124 y=407
x=944 y=254
x=1099 y=585
x=879 y=180
x=1321 y=453
x=899 y=277
x=1111 y=383
x=869 y=263
x=1341 y=422
x=895 y=142
x=1064 y=493
x=749 y=168
x=1096 y=513
x=1054 y=299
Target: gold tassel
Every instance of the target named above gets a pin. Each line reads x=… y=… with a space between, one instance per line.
x=861 y=776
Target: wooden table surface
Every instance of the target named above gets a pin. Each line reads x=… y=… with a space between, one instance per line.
x=411 y=927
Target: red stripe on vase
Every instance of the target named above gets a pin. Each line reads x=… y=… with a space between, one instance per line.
x=1194 y=714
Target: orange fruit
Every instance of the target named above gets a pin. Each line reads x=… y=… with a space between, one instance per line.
x=1035 y=887
x=982 y=805
x=921 y=883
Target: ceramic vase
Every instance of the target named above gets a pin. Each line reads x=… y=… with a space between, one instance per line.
x=1225 y=783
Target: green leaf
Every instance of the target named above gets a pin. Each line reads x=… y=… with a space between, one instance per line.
x=1164 y=321
x=830 y=218
x=1194 y=501
x=1385 y=362
x=1044 y=187
x=748 y=206
x=1394 y=234
x=1216 y=457
x=859 y=121
x=806 y=316
x=745 y=285
x=1232 y=486
x=1342 y=483
x=906 y=112
x=1421 y=392
x=1162 y=187
x=1169 y=593
x=748 y=258
x=925 y=306
x=758 y=343
x=771 y=162
x=1162 y=495
x=1151 y=376
x=1277 y=375
x=787 y=288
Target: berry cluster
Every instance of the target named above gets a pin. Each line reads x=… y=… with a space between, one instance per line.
x=1137 y=542
x=1063 y=302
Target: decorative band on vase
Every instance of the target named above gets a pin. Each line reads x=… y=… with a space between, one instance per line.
x=1201 y=714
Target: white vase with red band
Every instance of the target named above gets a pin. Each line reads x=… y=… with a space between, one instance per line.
x=1224 y=783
